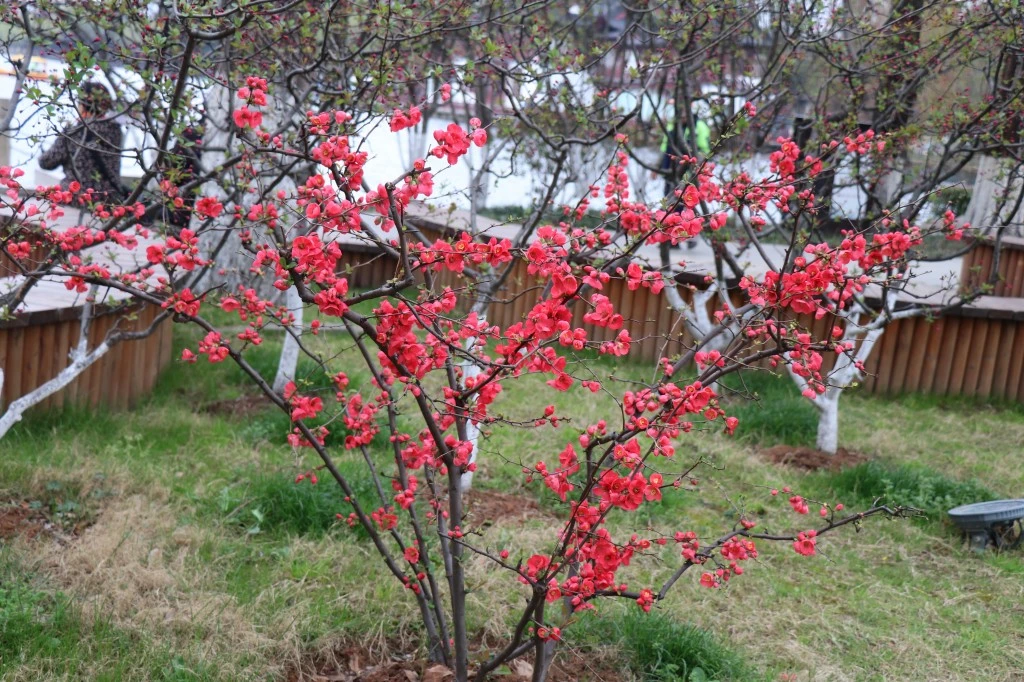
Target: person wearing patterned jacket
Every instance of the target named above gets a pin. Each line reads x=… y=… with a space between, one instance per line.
x=90 y=151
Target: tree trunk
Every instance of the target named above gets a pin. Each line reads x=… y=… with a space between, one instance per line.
x=470 y=369
x=79 y=364
x=223 y=244
x=81 y=359
x=290 y=351
x=542 y=662
x=845 y=372
x=828 y=424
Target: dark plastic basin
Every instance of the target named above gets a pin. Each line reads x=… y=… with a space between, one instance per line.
x=981 y=516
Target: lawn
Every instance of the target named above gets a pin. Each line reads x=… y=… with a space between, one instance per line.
x=179 y=546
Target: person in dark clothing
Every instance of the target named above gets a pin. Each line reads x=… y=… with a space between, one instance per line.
x=90 y=151
x=184 y=169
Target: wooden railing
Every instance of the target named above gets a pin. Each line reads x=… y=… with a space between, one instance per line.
x=34 y=348
x=971 y=351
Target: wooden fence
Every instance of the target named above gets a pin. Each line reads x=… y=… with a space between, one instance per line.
x=366 y=266
x=656 y=329
x=977 y=266
x=34 y=349
x=974 y=351
x=38 y=251
x=971 y=352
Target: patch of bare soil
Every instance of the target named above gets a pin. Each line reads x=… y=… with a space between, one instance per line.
x=813 y=460
x=570 y=667
x=239 y=408
x=26 y=521
x=488 y=506
x=358 y=664
x=21 y=521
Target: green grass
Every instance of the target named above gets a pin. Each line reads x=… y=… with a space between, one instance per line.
x=912 y=485
x=963 y=438
x=273 y=502
x=770 y=409
x=660 y=648
x=47 y=633
x=212 y=563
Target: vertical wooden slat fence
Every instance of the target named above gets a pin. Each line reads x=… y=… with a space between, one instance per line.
x=34 y=349
x=977 y=266
x=971 y=351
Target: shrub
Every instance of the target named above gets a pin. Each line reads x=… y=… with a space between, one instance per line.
x=662 y=649
x=920 y=487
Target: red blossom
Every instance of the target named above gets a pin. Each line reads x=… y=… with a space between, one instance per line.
x=400 y=120
x=805 y=543
x=209 y=207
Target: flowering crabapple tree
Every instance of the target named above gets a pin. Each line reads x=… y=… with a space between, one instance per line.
x=924 y=86
x=910 y=75
x=858 y=315
x=419 y=331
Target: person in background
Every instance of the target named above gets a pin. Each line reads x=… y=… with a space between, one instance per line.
x=184 y=169
x=703 y=135
x=90 y=151
x=673 y=147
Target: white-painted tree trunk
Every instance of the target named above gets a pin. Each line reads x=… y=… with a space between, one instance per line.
x=698 y=320
x=79 y=364
x=846 y=371
x=890 y=184
x=982 y=205
x=290 y=351
x=232 y=262
x=472 y=430
x=81 y=359
x=828 y=423
x=471 y=370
